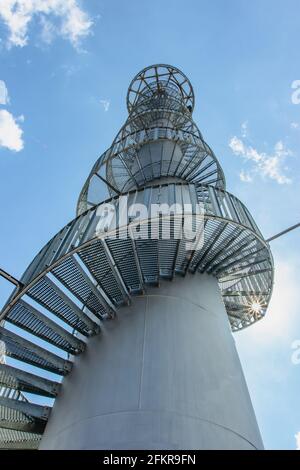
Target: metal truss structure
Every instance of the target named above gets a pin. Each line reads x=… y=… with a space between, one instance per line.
x=82 y=277
x=158 y=141
x=17 y=428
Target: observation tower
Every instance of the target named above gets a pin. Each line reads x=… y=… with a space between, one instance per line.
x=127 y=332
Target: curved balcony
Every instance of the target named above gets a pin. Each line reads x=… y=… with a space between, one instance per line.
x=139 y=157
x=94 y=265
x=157 y=81
x=233 y=244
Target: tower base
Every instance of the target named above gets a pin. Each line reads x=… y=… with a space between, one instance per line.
x=165 y=374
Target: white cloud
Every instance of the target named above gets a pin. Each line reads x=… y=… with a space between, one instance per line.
x=295 y=125
x=76 y=25
x=245 y=177
x=105 y=104
x=20 y=118
x=48 y=30
x=4 y=98
x=244 y=128
x=237 y=146
x=57 y=17
x=10 y=132
x=70 y=69
x=297 y=437
x=267 y=165
x=296 y=94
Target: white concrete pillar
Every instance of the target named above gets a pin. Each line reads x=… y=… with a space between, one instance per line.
x=164 y=375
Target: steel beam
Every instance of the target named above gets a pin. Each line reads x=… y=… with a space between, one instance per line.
x=116 y=272
x=41 y=326
x=18 y=379
x=93 y=328
x=49 y=361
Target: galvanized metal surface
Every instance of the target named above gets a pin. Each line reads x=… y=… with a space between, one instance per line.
x=164 y=375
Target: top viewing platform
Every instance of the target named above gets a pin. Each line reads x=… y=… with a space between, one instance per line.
x=160 y=86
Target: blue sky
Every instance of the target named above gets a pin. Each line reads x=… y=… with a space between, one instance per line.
x=65 y=67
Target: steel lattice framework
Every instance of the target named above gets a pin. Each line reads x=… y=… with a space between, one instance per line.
x=160 y=102
x=82 y=278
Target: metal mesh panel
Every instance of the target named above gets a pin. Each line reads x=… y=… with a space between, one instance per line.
x=12 y=439
x=123 y=254
x=69 y=274
x=95 y=259
x=27 y=318
x=22 y=350
x=45 y=294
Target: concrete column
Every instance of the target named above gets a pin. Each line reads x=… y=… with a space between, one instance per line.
x=164 y=375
